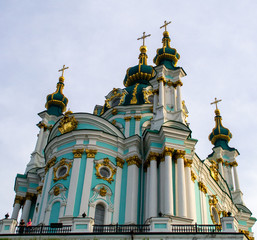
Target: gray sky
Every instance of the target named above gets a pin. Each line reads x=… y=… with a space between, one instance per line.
x=97 y=40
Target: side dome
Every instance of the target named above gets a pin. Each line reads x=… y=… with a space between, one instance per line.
x=56 y=102
x=140 y=73
x=219 y=133
x=166 y=55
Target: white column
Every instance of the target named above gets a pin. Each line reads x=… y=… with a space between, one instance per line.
x=236 y=180
x=87 y=180
x=161 y=91
x=40 y=137
x=73 y=182
x=179 y=101
x=173 y=99
x=230 y=178
x=168 y=191
x=132 y=190
x=116 y=208
x=191 y=213
x=16 y=207
x=153 y=185
x=181 y=184
x=137 y=125
x=155 y=100
x=146 y=207
x=203 y=207
x=127 y=126
x=61 y=213
x=162 y=184
x=26 y=208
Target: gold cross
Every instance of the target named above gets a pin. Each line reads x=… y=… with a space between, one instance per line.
x=143 y=37
x=216 y=102
x=165 y=25
x=62 y=70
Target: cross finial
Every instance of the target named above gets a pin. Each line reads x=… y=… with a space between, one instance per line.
x=143 y=37
x=216 y=103
x=62 y=70
x=165 y=25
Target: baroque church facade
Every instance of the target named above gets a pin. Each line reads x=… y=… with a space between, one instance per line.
x=133 y=159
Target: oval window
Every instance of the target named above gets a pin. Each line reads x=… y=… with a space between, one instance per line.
x=215 y=215
x=62 y=171
x=105 y=172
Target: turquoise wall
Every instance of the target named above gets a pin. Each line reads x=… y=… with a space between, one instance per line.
x=198 y=204
x=123 y=194
x=54 y=216
x=132 y=127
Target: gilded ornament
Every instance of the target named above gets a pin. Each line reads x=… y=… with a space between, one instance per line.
x=193 y=176
x=127 y=118
x=226 y=163
x=161 y=79
x=220 y=160
x=29 y=196
x=122 y=99
x=103 y=191
x=19 y=200
x=42 y=125
x=224 y=213
x=105 y=163
x=61 y=164
x=77 y=152
x=153 y=156
x=119 y=162
x=134 y=160
x=156 y=91
x=168 y=151
x=202 y=187
x=147 y=94
x=91 y=153
x=114 y=111
x=214 y=170
x=39 y=189
x=114 y=122
x=188 y=162
x=56 y=191
x=233 y=164
x=67 y=123
x=134 y=98
x=138 y=117
x=213 y=201
x=49 y=164
x=179 y=154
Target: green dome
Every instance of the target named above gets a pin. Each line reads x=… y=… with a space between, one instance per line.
x=166 y=55
x=140 y=73
x=219 y=135
x=56 y=102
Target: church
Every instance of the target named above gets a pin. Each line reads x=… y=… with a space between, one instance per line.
x=132 y=162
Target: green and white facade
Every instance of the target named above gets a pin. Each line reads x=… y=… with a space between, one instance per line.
x=133 y=160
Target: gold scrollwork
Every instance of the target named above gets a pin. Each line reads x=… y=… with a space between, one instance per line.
x=105 y=163
x=193 y=176
x=147 y=94
x=91 y=153
x=220 y=160
x=168 y=151
x=213 y=201
x=138 y=117
x=61 y=164
x=114 y=111
x=214 y=170
x=29 y=196
x=119 y=162
x=188 y=162
x=202 y=187
x=49 y=164
x=103 y=191
x=67 y=123
x=134 y=160
x=19 y=200
x=77 y=153
x=153 y=156
x=180 y=154
x=56 y=191
x=39 y=189
x=127 y=118
x=134 y=98
x=233 y=164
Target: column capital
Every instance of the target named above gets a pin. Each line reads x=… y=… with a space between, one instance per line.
x=91 y=153
x=127 y=119
x=202 y=187
x=156 y=91
x=119 y=162
x=138 y=117
x=39 y=189
x=114 y=111
x=30 y=196
x=233 y=164
x=77 y=153
x=180 y=154
x=193 y=176
x=226 y=163
x=19 y=200
x=50 y=163
x=161 y=79
x=42 y=125
x=188 y=162
x=168 y=151
x=220 y=160
x=134 y=160
x=153 y=156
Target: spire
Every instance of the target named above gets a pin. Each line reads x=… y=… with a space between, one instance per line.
x=166 y=55
x=56 y=102
x=220 y=136
x=142 y=72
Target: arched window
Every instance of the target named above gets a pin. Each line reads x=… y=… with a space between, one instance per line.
x=99 y=214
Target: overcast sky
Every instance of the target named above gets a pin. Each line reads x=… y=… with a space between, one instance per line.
x=216 y=39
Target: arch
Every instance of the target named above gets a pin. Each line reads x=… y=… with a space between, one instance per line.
x=145 y=125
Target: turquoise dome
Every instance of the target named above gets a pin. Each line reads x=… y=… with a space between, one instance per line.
x=166 y=55
x=56 y=102
x=220 y=135
x=140 y=73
